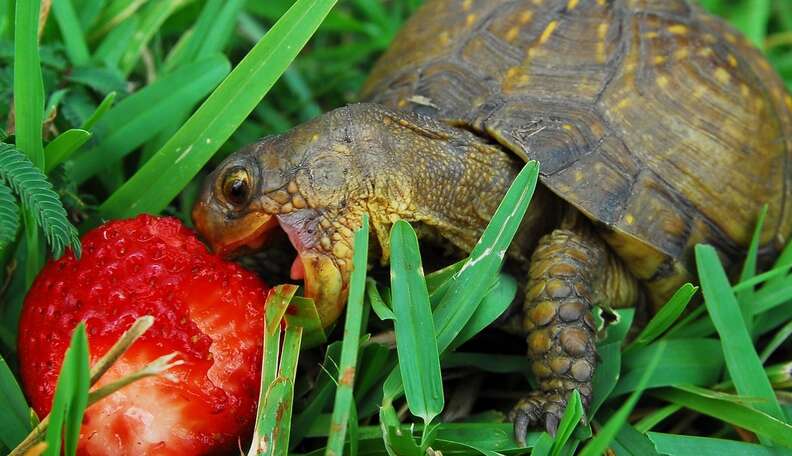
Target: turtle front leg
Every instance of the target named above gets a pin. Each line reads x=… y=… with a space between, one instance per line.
x=570 y=271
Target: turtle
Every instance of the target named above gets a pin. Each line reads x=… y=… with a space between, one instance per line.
x=656 y=125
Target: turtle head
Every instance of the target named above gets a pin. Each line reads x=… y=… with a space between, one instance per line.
x=307 y=183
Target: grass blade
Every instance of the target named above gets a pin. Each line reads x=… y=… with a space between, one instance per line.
x=151 y=189
x=666 y=317
x=61 y=148
x=14 y=414
x=570 y=420
x=416 y=344
x=738 y=414
x=113 y=46
x=743 y=363
x=139 y=117
x=600 y=442
x=778 y=339
x=344 y=403
x=100 y=111
x=71 y=396
x=683 y=445
x=152 y=16
x=72 y=32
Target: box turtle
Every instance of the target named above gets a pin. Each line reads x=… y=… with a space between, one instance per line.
x=656 y=126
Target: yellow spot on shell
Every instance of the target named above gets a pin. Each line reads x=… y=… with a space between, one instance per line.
x=662 y=81
x=722 y=75
x=678 y=29
x=538 y=2
x=548 y=31
x=602 y=33
x=402 y=103
x=788 y=101
x=572 y=4
x=730 y=38
x=705 y=52
x=567 y=127
x=578 y=176
x=744 y=90
x=681 y=53
x=466 y=5
x=314 y=138
x=525 y=17
x=601 y=2
x=699 y=91
x=512 y=72
x=659 y=59
x=443 y=37
x=629 y=219
x=732 y=60
x=623 y=103
x=512 y=34
x=710 y=38
x=470 y=20
x=759 y=104
x=650 y=35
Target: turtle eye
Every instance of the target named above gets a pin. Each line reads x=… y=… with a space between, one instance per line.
x=236 y=186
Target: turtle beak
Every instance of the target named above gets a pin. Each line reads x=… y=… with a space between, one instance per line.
x=324 y=281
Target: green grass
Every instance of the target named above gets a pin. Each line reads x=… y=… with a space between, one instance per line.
x=140 y=99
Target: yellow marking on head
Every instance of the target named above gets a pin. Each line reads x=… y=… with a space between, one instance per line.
x=722 y=75
x=730 y=37
x=578 y=176
x=704 y=52
x=470 y=20
x=567 y=127
x=526 y=16
x=466 y=5
x=678 y=29
x=662 y=81
x=512 y=34
x=659 y=59
x=681 y=53
x=732 y=60
x=744 y=90
x=548 y=31
x=571 y=4
x=629 y=219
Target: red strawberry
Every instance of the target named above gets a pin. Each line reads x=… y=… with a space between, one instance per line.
x=208 y=310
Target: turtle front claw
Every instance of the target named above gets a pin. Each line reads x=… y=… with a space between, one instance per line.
x=537 y=409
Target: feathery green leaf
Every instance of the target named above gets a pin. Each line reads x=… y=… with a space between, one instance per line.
x=9 y=215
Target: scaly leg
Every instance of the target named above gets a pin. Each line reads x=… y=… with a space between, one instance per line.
x=570 y=271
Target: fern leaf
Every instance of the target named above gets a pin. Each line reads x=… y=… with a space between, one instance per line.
x=9 y=216
x=37 y=196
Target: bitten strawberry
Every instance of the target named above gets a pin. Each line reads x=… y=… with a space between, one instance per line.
x=208 y=310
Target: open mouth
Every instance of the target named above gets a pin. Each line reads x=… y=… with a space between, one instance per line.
x=277 y=246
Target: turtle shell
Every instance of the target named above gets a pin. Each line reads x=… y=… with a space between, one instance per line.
x=656 y=120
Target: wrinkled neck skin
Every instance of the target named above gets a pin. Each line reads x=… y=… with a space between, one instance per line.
x=444 y=179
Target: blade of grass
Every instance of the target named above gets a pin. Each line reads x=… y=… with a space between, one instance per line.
x=741 y=415
x=778 y=339
x=666 y=317
x=570 y=420
x=682 y=445
x=742 y=362
x=302 y=312
x=188 y=48
x=28 y=114
x=61 y=148
x=113 y=14
x=71 y=396
x=113 y=46
x=152 y=16
x=419 y=360
x=138 y=117
x=343 y=404
x=377 y=303
x=746 y=297
x=71 y=32
x=100 y=111
x=600 y=442
x=492 y=306
x=15 y=411
x=685 y=362
x=288 y=369
x=607 y=373
x=151 y=189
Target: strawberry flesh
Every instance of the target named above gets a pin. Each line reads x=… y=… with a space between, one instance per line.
x=208 y=310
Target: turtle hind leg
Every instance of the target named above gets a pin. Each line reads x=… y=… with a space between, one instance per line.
x=569 y=272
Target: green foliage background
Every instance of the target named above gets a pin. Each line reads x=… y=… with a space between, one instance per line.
x=120 y=81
